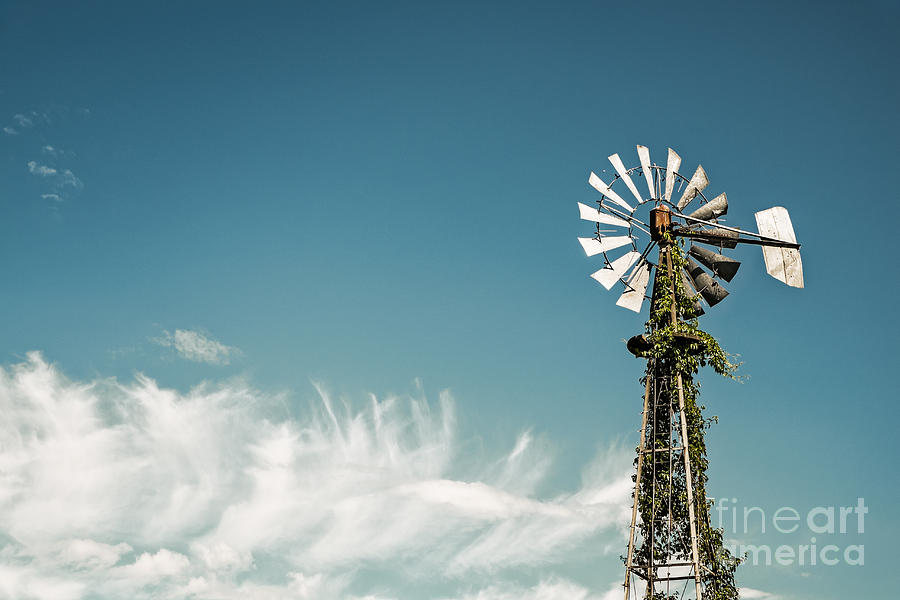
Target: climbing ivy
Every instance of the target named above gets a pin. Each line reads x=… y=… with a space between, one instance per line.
x=680 y=349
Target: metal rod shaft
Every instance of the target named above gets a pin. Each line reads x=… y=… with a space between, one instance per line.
x=715 y=239
x=769 y=241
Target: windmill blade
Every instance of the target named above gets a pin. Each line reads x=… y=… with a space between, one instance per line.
x=599 y=185
x=589 y=213
x=697 y=184
x=711 y=291
x=783 y=264
x=611 y=273
x=718 y=236
x=720 y=265
x=713 y=209
x=644 y=155
x=672 y=165
x=636 y=287
x=593 y=246
x=690 y=291
x=623 y=173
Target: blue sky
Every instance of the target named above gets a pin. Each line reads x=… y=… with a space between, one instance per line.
x=263 y=200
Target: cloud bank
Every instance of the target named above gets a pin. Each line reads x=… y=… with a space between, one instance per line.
x=116 y=490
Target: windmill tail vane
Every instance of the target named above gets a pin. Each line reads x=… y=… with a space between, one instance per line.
x=673 y=551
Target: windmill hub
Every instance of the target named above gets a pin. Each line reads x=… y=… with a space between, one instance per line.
x=660 y=223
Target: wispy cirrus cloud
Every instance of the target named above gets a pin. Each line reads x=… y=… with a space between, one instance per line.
x=25 y=120
x=750 y=593
x=61 y=180
x=41 y=170
x=197 y=346
x=115 y=490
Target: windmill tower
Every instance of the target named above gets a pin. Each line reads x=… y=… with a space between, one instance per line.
x=673 y=552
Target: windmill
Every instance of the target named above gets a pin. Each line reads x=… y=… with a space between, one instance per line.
x=680 y=245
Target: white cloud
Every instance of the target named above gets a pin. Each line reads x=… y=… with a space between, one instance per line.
x=749 y=593
x=10 y=131
x=195 y=346
x=151 y=567
x=552 y=589
x=24 y=120
x=68 y=178
x=54 y=197
x=129 y=490
x=36 y=168
x=89 y=554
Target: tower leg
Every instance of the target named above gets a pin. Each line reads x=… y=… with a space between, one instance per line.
x=637 y=487
x=689 y=484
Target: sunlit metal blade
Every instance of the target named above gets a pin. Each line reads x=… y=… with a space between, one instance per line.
x=711 y=291
x=697 y=184
x=783 y=264
x=599 y=185
x=589 y=213
x=635 y=287
x=610 y=274
x=720 y=265
x=593 y=246
x=644 y=155
x=623 y=173
x=713 y=209
x=691 y=292
x=672 y=165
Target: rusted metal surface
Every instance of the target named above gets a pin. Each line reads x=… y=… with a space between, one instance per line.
x=660 y=223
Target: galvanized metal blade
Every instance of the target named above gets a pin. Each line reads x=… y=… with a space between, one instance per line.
x=720 y=265
x=711 y=291
x=644 y=155
x=599 y=185
x=783 y=264
x=690 y=291
x=672 y=164
x=697 y=184
x=611 y=273
x=593 y=246
x=713 y=209
x=635 y=287
x=623 y=173
x=725 y=238
x=589 y=213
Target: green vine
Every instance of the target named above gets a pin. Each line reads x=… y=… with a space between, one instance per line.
x=680 y=349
